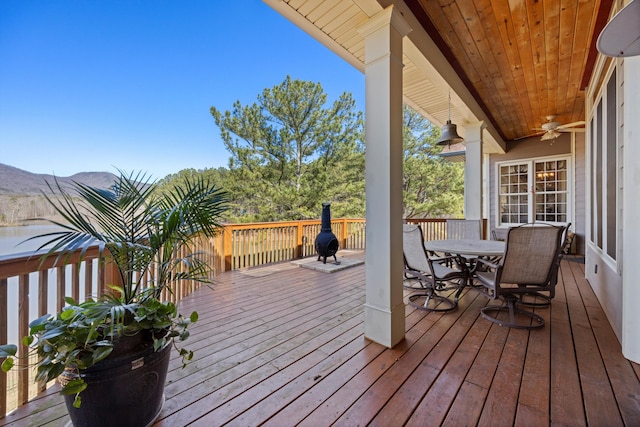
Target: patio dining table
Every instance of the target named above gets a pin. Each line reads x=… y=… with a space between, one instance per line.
x=467 y=248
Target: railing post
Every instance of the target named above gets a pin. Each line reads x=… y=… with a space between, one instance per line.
x=23 y=330
x=299 y=236
x=75 y=282
x=344 y=234
x=111 y=274
x=101 y=278
x=88 y=279
x=61 y=280
x=214 y=244
x=227 y=247
x=43 y=292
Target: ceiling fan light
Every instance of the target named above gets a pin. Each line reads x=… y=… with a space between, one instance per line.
x=550 y=125
x=552 y=134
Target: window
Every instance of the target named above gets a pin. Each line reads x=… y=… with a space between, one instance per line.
x=604 y=166
x=535 y=190
x=514 y=193
x=551 y=191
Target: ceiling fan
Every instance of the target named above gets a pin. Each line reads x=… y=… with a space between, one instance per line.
x=552 y=129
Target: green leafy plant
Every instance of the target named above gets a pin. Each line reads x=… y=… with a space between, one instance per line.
x=146 y=234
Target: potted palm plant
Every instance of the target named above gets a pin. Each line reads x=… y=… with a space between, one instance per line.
x=111 y=353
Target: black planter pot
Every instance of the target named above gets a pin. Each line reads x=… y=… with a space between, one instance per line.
x=123 y=391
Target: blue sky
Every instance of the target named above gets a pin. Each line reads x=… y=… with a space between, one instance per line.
x=96 y=85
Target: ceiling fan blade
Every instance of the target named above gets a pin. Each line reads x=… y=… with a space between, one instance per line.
x=570 y=125
x=528 y=136
x=573 y=130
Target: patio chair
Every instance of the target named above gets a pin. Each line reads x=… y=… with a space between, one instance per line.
x=430 y=275
x=464 y=229
x=542 y=298
x=529 y=266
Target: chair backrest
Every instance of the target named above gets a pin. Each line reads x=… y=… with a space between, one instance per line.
x=531 y=255
x=499 y=234
x=415 y=256
x=464 y=229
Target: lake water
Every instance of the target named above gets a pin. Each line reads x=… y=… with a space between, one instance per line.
x=12 y=239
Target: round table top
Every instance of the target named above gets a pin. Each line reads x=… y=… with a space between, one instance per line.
x=466 y=247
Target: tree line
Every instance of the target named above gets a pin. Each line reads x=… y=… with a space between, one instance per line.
x=291 y=150
x=15 y=209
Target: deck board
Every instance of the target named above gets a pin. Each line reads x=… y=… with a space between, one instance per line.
x=566 y=407
x=285 y=346
x=533 y=398
x=620 y=373
x=502 y=400
x=410 y=372
x=599 y=400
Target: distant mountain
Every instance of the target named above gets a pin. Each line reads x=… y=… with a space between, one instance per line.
x=18 y=182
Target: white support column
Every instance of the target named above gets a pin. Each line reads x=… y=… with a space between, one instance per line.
x=384 y=306
x=631 y=212
x=486 y=190
x=473 y=171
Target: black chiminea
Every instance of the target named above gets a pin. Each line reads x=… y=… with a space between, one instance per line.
x=326 y=242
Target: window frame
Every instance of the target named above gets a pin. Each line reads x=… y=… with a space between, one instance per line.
x=531 y=193
x=604 y=184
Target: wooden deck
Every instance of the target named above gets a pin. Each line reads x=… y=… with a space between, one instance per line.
x=283 y=345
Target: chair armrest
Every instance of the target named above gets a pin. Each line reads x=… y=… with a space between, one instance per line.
x=437 y=258
x=450 y=260
x=487 y=263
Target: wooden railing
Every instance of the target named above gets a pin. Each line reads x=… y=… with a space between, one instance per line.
x=432 y=229
x=254 y=244
x=32 y=289
x=436 y=228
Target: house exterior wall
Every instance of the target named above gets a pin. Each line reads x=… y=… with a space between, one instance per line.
x=606 y=283
x=603 y=272
x=529 y=148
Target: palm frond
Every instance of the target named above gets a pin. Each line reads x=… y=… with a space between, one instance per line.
x=140 y=228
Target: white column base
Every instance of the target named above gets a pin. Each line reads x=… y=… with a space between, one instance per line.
x=383 y=326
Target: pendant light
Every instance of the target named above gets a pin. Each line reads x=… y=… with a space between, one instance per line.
x=449 y=131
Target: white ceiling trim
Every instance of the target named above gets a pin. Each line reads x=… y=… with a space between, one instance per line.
x=307 y=26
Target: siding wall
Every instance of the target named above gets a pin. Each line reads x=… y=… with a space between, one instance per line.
x=533 y=148
x=602 y=271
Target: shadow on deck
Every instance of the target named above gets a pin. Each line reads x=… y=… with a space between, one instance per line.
x=283 y=345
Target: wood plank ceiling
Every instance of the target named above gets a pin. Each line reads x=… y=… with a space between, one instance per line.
x=520 y=60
